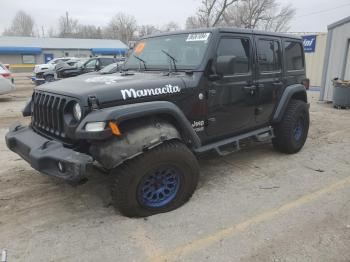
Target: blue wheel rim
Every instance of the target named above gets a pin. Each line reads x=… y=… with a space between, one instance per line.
x=160 y=187
x=298 y=130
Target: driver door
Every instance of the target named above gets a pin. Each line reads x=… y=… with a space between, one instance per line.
x=231 y=96
x=90 y=66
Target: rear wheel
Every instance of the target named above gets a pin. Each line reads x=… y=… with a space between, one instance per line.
x=291 y=132
x=160 y=180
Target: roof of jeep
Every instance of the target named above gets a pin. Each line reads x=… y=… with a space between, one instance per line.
x=228 y=30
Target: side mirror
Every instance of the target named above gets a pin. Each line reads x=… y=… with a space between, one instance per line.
x=225 y=65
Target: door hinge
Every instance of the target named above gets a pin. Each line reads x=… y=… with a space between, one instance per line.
x=93 y=103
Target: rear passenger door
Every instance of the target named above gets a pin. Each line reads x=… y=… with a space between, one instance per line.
x=269 y=76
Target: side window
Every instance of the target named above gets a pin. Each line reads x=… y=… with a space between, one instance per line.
x=238 y=47
x=269 y=55
x=106 y=61
x=294 y=55
x=91 y=64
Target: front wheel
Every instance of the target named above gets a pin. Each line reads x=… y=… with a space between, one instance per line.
x=291 y=132
x=49 y=78
x=158 y=181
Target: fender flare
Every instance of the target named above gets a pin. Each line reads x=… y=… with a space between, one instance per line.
x=287 y=95
x=122 y=113
x=139 y=138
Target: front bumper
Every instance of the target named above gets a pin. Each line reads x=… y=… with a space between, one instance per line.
x=47 y=155
x=38 y=81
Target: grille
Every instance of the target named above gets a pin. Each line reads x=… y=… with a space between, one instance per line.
x=47 y=114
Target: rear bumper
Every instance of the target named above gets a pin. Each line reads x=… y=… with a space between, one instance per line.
x=45 y=155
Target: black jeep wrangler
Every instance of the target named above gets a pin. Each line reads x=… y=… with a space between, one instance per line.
x=180 y=95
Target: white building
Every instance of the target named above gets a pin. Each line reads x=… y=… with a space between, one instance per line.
x=337 y=57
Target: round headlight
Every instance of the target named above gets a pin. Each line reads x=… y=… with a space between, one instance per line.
x=77 y=112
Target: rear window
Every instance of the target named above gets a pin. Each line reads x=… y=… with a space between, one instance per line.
x=294 y=55
x=269 y=54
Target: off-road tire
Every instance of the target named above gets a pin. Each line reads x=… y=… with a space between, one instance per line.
x=128 y=177
x=285 y=138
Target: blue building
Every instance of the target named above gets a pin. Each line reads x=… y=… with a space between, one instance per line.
x=27 y=51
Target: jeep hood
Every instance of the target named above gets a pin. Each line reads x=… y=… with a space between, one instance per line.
x=107 y=89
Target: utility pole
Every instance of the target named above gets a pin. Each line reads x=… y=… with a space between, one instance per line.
x=67 y=23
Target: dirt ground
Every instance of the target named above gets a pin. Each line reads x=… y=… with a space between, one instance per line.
x=255 y=205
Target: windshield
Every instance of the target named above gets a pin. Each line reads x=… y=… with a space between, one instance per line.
x=110 y=69
x=187 y=49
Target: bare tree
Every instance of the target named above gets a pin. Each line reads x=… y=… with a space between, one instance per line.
x=193 y=22
x=51 y=32
x=209 y=14
x=170 y=27
x=259 y=14
x=89 y=31
x=122 y=27
x=67 y=26
x=281 y=21
x=145 y=30
x=22 y=25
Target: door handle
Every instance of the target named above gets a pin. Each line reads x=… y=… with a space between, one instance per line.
x=250 y=89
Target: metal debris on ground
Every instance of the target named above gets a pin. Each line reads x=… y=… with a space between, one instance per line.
x=4 y=256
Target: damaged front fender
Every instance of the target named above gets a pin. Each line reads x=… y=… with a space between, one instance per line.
x=114 y=151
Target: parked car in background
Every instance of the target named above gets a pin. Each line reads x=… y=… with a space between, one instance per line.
x=6 y=85
x=6 y=73
x=40 y=69
x=65 y=69
x=110 y=69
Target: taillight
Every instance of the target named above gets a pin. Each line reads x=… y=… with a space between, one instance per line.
x=306 y=83
x=6 y=75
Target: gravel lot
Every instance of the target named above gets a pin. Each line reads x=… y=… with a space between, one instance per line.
x=255 y=205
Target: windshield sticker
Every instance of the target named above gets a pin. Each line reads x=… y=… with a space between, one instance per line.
x=139 y=48
x=108 y=80
x=198 y=37
x=167 y=89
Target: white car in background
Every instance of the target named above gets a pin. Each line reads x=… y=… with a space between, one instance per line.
x=6 y=85
x=6 y=73
x=50 y=65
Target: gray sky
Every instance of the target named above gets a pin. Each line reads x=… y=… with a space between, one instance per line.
x=158 y=12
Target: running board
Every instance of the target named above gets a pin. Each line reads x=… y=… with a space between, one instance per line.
x=261 y=135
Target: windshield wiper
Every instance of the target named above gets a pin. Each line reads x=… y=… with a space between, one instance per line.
x=141 y=61
x=173 y=59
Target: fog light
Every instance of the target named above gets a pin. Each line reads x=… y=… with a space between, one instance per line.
x=61 y=167
x=95 y=126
